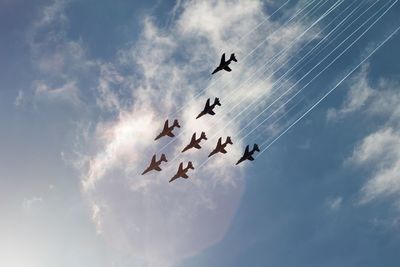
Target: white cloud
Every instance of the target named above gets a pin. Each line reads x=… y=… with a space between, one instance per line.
x=61 y=65
x=66 y=93
x=358 y=95
x=29 y=203
x=144 y=216
x=335 y=203
x=19 y=99
x=380 y=150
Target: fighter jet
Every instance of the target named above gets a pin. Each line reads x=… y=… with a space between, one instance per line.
x=221 y=147
x=168 y=130
x=155 y=164
x=248 y=154
x=195 y=142
x=224 y=65
x=181 y=173
x=208 y=109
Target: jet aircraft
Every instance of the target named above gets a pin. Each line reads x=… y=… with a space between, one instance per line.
x=209 y=109
x=181 y=173
x=221 y=147
x=224 y=65
x=195 y=142
x=248 y=154
x=167 y=131
x=155 y=164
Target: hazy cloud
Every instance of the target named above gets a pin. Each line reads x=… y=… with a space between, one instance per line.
x=358 y=95
x=144 y=216
x=335 y=203
x=380 y=150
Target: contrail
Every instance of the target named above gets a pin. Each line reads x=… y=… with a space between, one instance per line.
x=280 y=53
x=261 y=133
x=276 y=82
x=337 y=56
x=314 y=48
x=319 y=19
x=276 y=57
x=216 y=80
x=184 y=131
x=264 y=20
x=266 y=39
x=273 y=123
x=344 y=51
x=328 y=93
x=304 y=76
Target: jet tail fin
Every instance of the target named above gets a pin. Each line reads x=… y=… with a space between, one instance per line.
x=190 y=165
x=163 y=158
x=233 y=58
x=216 y=102
x=255 y=148
x=229 y=140
x=203 y=136
x=176 y=124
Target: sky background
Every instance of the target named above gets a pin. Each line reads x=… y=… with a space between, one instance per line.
x=85 y=86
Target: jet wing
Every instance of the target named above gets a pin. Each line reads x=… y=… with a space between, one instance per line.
x=247 y=150
x=197 y=146
x=222 y=60
x=157 y=168
x=223 y=150
x=170 y=134
x=250 y=158
x=185 y=176
x=211 y=112
x=153 y=159
x=227 y=68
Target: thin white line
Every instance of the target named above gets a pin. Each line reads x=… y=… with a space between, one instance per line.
x=325 y=14
x=299 y=61
x=216 y=80
x=342 y=52
x=276 y=82
x=329 y=92
x=293 y=86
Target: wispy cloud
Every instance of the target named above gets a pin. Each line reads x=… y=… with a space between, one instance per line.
x=145 y=216
x=335 y=203
x=29 y=203
x=380 y=150
x=19 y=99
x=360 y=92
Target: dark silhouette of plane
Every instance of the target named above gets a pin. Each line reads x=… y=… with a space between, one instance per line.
x=195 y=142
x=221 y=147
x=155 y=164
x=168 y=130
x=248 y=154
x=181 y=173
x=208 y=109
x=224 y=65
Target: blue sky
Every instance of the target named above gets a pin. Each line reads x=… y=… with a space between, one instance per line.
x=86 y=85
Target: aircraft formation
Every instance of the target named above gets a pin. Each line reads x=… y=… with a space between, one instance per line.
x=195 y=142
